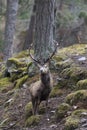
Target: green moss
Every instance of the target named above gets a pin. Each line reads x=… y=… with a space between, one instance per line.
x=79 y=112
x=64 y=64
x=82 y=84
x=28 y=110
x=71 y=123
x=42 y=108
x=20 y=81
x=60 y=57
x=22 y=54
x=33 y=120
x=4 y=83
x=72 y=75
x=79 y=96
x=16 y=62
x=56 y=92
x=61 y=111
x=74 y=49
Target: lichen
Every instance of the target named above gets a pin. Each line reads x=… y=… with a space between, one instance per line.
x=33 y=120
x=77 y=97
x=62 y=110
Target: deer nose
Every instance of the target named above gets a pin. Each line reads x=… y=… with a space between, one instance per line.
x=41 y=70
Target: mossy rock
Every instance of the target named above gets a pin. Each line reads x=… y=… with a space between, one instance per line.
x=60 y=57
x=77 y=97
x=82 y=84
x=79 y=112
x=71 y=123
x=33 y=121
x=22 y=54
x=56 y=92
x=64 y=64
x=42 y=108
x=21 y=81
x=4 y=83
x=72 y=75
x=16 y=62
x=62 y=110
x=75 y=73
x=74 y=49
x=28 y=110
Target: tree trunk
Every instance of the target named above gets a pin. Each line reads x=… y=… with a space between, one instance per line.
x=12 y=7
x=30 y=32
x=44 y=24
x=61 y=4
x=0 y=7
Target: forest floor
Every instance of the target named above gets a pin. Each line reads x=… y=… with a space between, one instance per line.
x=13 y=102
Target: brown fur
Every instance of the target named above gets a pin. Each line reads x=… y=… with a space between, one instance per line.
x=40 y=90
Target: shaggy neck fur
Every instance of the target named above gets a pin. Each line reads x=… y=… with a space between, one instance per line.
x=45 y=79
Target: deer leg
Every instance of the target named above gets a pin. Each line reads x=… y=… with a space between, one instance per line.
x=47 y=107
x=37 y=105
x=33 y=106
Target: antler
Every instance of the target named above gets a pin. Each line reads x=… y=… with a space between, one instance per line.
x=32 y=56
x=53 y=51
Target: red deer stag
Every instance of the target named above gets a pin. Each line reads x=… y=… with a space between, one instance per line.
x=41 y=89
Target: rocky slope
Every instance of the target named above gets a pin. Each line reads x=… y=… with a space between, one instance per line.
x=67 y=109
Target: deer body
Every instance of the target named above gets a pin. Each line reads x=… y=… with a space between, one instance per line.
x=41 y=89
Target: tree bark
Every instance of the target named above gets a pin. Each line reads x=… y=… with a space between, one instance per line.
x=44 y=24
x=12 y=7
x=30 y=32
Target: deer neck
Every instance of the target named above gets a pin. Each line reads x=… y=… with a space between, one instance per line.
x=45 y=79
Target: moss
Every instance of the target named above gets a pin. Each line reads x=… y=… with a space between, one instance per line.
x=16 y=62
x=72 y=75
x=61 y=111
x=33 y=120
x=77 y=97
x=79 y=112
x=71 y=123
x=56 y=92
x=28 y=110
x=42 y=108
x=21 y=81
x=22 y=54
x=74 y=49
x=82 y=84
x=60 y=57
x=4 y=83
x=64 y=64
